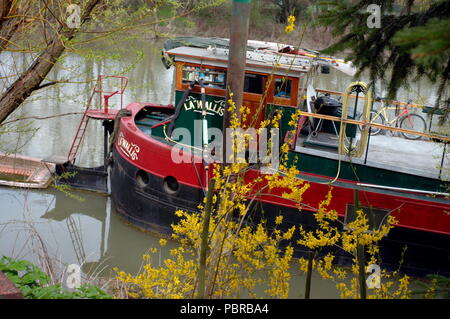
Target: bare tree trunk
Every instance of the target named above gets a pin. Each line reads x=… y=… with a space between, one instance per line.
x=8 y=24
x=31 y=79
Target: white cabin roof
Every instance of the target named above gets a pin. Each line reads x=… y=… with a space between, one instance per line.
x=263 y=62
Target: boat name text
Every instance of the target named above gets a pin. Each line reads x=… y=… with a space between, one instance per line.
x=212 y=107
x=131 y=150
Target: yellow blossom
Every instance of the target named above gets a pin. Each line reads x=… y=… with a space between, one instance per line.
x=290 y=26
x=278 y=220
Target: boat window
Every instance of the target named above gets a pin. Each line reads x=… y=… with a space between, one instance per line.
x=283 y=88
x=254 y=83
x=212 y=78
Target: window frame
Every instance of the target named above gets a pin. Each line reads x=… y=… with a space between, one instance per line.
x=292 y=100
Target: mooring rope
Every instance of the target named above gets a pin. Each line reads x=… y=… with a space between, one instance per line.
x=362 y=144
x=360 y=147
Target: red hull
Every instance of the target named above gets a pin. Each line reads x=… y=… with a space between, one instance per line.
x=412 y=211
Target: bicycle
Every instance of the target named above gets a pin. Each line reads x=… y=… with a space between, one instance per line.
x=406 y=120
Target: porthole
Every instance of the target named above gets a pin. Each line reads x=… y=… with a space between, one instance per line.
x=171 y=185
x=142 y=178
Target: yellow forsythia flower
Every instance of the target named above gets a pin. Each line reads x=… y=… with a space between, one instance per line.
x=291 y=20
x=290 y=26
x=278 y=220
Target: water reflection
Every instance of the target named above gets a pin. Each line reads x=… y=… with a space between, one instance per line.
x=88 y=232
x=72 y=231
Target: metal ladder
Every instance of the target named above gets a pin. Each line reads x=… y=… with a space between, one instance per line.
x=80 y=132
x=98 y=88
x=76 y=239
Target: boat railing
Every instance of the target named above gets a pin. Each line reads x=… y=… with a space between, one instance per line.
x=105 y=94
x=422 y=152
x=394 y=102
x=365 y=123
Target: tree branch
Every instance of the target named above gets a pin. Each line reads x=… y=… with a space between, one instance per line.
x=49 y=84
x=31 y=79
x=39 y=117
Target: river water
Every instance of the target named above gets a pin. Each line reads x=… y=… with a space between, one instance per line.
x=86 y=230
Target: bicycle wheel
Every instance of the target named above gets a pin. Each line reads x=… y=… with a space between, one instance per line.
x=374 y=118
x=414 y=122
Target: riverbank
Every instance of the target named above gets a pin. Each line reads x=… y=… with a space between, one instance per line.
x=267 y=23
x=315 y=38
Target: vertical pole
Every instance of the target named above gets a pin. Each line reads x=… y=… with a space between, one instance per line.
x=370 y=131
x=442 y=160
x=204 y=243
x=121 y=93
x=105 y=145
x=105 y=110
x=101 y=89
x=359 y=89
x=236 y=60
x=204 y=131
x=361 y=271
x=311 y=256
x=360 y=257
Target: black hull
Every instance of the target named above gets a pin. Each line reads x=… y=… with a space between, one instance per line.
x=93 y=179
x=151 y=208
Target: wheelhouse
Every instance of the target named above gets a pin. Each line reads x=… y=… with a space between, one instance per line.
x=270 y=84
